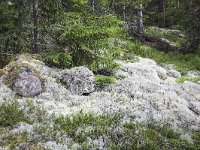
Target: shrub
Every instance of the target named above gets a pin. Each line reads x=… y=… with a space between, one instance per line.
x=57 y=59
x=87 y=37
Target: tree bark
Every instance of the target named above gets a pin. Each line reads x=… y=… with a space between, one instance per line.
x=35 y=26
x=164 y=15
x=140 y=26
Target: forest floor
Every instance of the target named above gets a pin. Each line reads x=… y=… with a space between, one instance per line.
x=149 y=101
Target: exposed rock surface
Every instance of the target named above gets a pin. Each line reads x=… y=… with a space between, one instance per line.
x=173 y=73
x=78 y=80
x=193 y=73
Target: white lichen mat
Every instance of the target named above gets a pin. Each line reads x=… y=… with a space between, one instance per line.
x=146 y=94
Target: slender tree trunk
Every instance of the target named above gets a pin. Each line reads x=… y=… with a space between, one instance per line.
x=178 y=3
x=93 y=7
x=164 y=14
x=124 y=11
x=162 y=9
x=35 y=26
x=140 y=26
x=113 y=5
x=190 y=24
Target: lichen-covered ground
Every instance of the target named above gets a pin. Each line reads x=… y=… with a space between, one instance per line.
x=147 y=93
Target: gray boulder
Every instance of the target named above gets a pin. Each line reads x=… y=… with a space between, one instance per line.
x=25 y=81
x=173 y=73
x=193 y=73
x=78 y=80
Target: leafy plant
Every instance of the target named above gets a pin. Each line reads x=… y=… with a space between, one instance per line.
x=57 y=59
x=87 y=38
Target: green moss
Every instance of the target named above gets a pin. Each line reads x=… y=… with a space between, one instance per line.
x=11 y=114
x=187 y=78
x=103 y=81
x=14 y=68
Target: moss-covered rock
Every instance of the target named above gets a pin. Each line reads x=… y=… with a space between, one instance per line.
x=24 y=79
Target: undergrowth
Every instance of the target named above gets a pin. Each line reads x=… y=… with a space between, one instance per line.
x=11 y=114
x=173 y=36
x=85 y=129
x=183 y=62
x=188 y=78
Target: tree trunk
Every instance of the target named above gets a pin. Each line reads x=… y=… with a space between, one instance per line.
x=162 y=9
x=140 y=26
x=124 y=11
x=93 y=7
x=35 y=26
x=164 y=15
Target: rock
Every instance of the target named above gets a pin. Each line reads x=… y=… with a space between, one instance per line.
x=24 y=81
x=169 y=66
x=78 y=80
x=173 y=73
x=27 y=57
x=193 y=73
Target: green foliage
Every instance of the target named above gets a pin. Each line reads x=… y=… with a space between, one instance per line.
x=184 y=63
x=103 y=81
x=151 y=136
x=11 y=114
x=57 y=59
x=13 y=140
x=132 y=135
x=80 y=127
x=175 y=37
x=87 y=38
x=4 y=60
x=188 y=78
x=87 y=124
